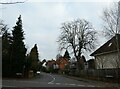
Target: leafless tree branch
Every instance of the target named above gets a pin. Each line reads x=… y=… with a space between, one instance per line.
x=77 y=35
x=110 y=21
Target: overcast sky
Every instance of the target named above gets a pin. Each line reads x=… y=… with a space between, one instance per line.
x=42 y=20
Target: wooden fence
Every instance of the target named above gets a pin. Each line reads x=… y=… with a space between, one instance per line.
x=98 y=74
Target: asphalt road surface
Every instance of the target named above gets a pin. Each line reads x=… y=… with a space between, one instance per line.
x=46 y=80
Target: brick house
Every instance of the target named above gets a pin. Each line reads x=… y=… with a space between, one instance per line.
x=62 y=62
x=50 y=64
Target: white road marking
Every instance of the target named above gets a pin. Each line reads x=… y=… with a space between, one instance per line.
x=50 y=83
x=81 y=85
x=52 y=80
x=72 y=84
x=90 y=86
x=8 y=86
x=58 y=83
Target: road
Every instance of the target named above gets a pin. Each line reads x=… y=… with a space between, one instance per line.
x=46 y=80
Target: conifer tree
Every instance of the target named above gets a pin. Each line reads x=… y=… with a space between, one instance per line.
x=18 y=48
x=6 y=50
x=66 y=55
x=33 y=58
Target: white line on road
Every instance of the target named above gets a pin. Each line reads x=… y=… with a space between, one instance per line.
x=81 y=85
x=72 y=84
x=8 y=86
x=90 y=86
x=52 y=80
x=58 y=83
x=50 y=83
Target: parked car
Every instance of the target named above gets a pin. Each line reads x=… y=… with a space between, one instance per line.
x=38 y=72
x=19 y=75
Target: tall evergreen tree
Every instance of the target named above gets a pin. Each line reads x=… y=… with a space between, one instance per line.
x=6 y=50
x=34 y=58
x=6 y=41
x=66 y=55
x=18 y=47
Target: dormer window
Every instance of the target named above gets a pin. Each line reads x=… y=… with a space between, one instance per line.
x=109 y=44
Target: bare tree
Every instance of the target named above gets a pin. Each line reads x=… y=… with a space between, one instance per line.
x=1 y=25
x=78 y=35
x=111 y=18
x=111 y=21
x=2 y=28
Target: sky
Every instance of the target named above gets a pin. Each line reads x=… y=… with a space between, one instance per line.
x=42 y=20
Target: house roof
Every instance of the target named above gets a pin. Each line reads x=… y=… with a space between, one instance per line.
x=50 y=62
x=61 y=59
x=109 y=46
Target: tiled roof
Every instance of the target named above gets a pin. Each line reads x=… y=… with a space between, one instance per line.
x=50 y=62
x=61 y=59
x=109 y=46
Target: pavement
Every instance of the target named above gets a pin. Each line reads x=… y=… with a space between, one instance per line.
x=99 y=83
